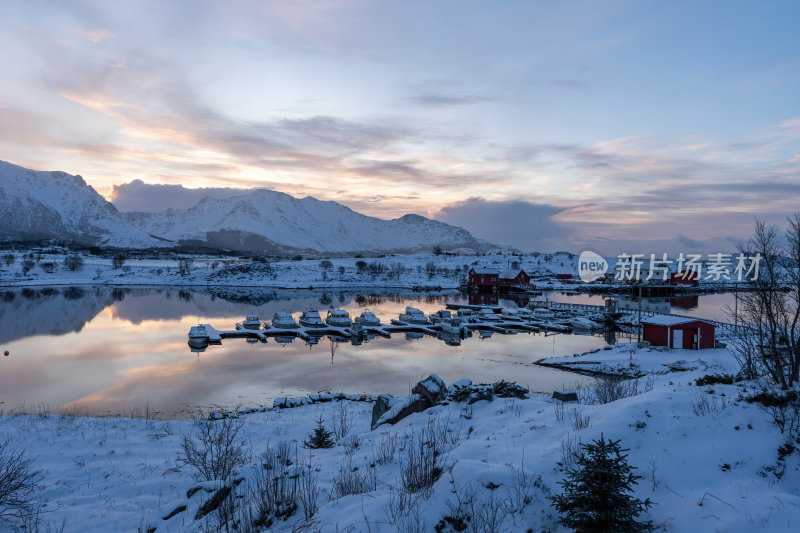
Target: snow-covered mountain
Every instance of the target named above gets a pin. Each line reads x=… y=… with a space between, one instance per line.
x=38 y=205
x=267 y=220
x=55 y=205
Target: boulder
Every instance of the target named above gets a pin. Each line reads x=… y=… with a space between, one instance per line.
x=432 y=389
x=390 y=410
x=458 y=385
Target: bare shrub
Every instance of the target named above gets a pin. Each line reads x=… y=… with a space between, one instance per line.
x=579 y=420
x=308 y=492
x=19 y=481
x=275 y=488
x=609 y=389
x=353 y=480
x=424 y=461
x=782 y=406
x=213 y=448
x=559 y=410
x=343 y=420
x=386 y=449
x=73 y=263
x=707 y=403
x=569 y=448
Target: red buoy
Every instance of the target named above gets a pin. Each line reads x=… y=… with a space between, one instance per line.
x=5 y=353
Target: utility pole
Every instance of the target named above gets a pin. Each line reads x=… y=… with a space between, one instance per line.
x=639 y=328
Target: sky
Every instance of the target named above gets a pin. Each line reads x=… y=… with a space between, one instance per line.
x=637 y=126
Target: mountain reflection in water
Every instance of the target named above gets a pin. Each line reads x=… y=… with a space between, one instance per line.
x=112 y=350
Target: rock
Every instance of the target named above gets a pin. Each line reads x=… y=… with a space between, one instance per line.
x=432 y=389
x=212 y=503
x=458 y=385
x=279 y=402
x=382 y=404
x=176 y=510
x=390 y=410
x=565 y=395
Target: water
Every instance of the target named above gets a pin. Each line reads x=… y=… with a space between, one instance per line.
x=100 y=350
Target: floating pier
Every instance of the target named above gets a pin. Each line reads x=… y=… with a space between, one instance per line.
x=208 y=334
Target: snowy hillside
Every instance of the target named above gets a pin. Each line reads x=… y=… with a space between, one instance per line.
x=273 y=221
x=55 y=205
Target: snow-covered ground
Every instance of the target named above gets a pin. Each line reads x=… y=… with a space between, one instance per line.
x=427 y=270
x=402 y=271
x=709 y=459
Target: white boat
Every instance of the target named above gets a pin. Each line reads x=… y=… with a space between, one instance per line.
x=441 y=316
x=583 y=324
x=541 y=313
x=367 y=318
x=198 y=333
x=413 y=316
x=338 y=318
x=452 y=326
x=251 y=322
x=510 y=314
x=466 y=315
x=311 y=319
x=524 y=313
x=487 y=315
x=284 y=320
x=283 y=340
x=485 y=333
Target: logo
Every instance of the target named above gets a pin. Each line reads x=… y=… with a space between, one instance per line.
x=591 y=266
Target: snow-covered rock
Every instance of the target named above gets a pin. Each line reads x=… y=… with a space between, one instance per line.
x=432 y=389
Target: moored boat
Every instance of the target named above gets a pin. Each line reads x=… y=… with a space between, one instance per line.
x=311 y=319
x=367 y=318
x=284 y=320
x=338 y=318
x=251 y=322
x=413 y=316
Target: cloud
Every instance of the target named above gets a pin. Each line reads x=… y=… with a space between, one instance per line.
x=96 y=35
x=447 y=100
x=526 y=225
x=153 y=198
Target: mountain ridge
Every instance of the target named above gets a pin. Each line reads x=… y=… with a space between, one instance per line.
x=43 y=205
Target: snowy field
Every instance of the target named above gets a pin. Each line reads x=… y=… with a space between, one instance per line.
x=709 y=460
x=401 y=271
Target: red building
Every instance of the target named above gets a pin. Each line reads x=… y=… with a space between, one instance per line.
x=564 y=276
x=678 y=332
x=687 y=277
x=515 y=278
x=484 y=277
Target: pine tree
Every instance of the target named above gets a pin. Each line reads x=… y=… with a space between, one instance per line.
x=321 y=438
x=596 y=491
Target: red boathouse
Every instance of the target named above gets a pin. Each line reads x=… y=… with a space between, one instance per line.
x=678 y=332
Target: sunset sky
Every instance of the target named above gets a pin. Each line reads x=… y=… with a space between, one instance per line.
x=644 y=126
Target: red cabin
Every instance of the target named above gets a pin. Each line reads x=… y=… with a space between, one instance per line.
x=679 y=332
x=515 y=278
x=484 y=277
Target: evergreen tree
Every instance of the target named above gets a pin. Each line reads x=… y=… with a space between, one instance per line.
x=596 y=492
x=321 y=438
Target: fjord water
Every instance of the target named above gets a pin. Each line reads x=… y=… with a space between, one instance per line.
x=102 y=350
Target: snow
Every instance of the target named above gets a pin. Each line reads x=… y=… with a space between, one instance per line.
x=48 y=205
x=664 y=320
x=712 y=470
x=284 y=223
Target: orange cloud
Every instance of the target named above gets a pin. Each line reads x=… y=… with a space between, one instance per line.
x=95 y=35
